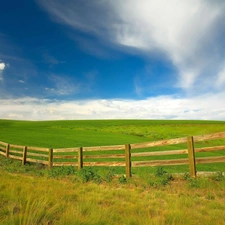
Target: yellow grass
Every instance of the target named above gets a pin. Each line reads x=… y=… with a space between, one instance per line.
x=39 y=200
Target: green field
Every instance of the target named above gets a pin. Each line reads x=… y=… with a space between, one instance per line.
x=34 y=194
x=84 y=133
x=56 y=134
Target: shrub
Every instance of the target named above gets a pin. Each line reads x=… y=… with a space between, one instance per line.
x=161 y=178
x=160 y=172
x=109 y=176
x=88 y=174
x=122 y=180
x=63 y=171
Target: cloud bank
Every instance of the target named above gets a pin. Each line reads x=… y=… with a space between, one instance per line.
x=190 y=34
x=205 y=107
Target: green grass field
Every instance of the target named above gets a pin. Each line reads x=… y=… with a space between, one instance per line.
x=60 y=134
x=33 y=194
x=56 y=134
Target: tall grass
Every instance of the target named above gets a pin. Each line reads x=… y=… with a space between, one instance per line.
x=42 y=200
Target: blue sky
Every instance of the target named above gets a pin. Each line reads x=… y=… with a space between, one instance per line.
x=109 y=59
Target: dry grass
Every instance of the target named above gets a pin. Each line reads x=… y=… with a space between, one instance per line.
x=39 y=200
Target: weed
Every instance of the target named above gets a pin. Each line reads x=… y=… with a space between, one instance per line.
x=5 y=161
x=63 y=171
x=166 y=179
x=109 y=176
x=88 y=174
x=153 y=184
x=122 y=179
x=160 y=172
x=218 y=177
x=97 y=178
x=186 y=176
x=161 y=178
x=194 y=183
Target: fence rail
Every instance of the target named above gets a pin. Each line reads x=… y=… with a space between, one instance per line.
x=119 y=155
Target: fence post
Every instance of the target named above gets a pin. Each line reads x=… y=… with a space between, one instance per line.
x=24 y=155
x=191 y=156
x=50 y=157
x=7 y=150
x=80 y=158
x=128 y=160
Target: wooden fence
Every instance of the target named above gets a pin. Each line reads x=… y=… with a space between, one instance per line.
x=120 y=155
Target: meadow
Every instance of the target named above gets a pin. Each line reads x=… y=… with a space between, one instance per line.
x=34 y=194
x=56 y=134
x=85 y=133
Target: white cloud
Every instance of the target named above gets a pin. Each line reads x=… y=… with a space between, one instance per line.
x=2 y=67
x=205 y=107
x=189 y=33
x=62 y=86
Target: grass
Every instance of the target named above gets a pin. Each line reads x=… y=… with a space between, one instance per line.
x=58 y=134
x=33 y=194
x=37 y=195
